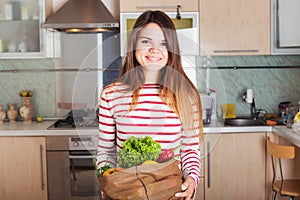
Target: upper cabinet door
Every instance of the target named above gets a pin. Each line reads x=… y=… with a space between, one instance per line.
x=235 y=27
x=166 y=5
x=285 y=29
x=21 y=35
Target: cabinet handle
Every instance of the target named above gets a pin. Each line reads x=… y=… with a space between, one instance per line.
x=42 y=167
x=81 y=157
x=157 y=7
x=236 y=51
x=208 y=164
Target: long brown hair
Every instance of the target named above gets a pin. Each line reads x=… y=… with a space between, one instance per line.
x=176 y=90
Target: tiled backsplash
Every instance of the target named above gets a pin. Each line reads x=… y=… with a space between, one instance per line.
x=270 y=85
x=273 y=79
x=42 y=83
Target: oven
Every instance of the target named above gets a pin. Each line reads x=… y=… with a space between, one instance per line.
x=82 y=168
x=70 y=168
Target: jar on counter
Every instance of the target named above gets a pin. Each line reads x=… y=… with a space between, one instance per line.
x=26 y=110
x=12 y=113
x=2 y=114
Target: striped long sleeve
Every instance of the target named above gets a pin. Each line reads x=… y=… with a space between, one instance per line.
x=106 y=153
x=151 y=117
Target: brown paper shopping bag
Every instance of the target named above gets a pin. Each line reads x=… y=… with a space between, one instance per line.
x=144 y=182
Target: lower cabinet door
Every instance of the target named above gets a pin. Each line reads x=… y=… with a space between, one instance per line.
x=23 y=168
x=235 y=166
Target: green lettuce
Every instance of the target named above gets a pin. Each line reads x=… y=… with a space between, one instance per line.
x=135 y=151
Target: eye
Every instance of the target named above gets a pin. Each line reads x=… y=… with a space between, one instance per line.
x=164 y=44
x=145 y=42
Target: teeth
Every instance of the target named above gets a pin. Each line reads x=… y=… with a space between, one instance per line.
x=153 y=58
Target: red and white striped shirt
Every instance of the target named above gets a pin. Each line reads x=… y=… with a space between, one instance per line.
x=151 y=117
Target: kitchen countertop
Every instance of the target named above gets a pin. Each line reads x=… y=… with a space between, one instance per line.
x=288 y=134
x=41 y=129
x=216 y=126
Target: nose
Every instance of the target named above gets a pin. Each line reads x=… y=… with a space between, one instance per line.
x=153 y=50
x=154 y=47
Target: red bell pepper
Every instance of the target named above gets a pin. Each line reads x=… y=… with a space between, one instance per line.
x=165 y=156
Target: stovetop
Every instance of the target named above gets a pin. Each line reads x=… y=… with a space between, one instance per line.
x=77 y=119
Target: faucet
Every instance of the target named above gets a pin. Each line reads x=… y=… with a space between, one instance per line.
x=253 y=110
x=254 y=113
x=257 y=113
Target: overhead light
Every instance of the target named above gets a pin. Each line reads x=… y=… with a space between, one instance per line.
x=87 y=30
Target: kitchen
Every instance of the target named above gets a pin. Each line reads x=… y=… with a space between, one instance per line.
x=273 y=78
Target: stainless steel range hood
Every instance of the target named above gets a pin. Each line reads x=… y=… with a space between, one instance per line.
x=82 y=16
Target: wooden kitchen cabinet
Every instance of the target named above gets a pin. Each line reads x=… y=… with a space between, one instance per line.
x=199 y=193
x=235 y=27
x=23 y=168
x=235 y=166
x=21 y=32
x=132 y=6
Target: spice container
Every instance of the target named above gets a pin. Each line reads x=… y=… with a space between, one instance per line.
x=282 y=109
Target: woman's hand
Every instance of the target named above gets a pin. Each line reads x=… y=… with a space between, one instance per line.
x=188 y=188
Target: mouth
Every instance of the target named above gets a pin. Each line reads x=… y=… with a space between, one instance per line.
x=153 y=58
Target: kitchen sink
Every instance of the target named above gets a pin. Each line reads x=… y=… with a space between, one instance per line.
x=244 y=121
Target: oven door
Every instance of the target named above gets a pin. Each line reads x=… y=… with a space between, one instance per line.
x=63 y=165
x=83 y=174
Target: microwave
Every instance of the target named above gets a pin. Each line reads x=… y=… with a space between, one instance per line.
x=187 y=29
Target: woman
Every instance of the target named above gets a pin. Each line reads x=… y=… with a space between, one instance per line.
x=154 y=97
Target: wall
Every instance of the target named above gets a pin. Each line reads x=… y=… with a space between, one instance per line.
x=42 y=79
x=271 y=85
x=41 y=82
x=273 y=79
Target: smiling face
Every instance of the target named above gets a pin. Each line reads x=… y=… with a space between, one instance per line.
x=151 y=49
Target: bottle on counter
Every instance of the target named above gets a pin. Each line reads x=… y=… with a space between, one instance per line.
x=213 y=95
x=291 y=113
